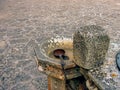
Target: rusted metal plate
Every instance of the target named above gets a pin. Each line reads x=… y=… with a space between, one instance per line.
x=58 y=73
x=74 y=84
x=56 y=84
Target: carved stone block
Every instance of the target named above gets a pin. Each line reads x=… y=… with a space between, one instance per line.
x=90 y=45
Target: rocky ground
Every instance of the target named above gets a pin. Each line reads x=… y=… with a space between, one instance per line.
x=24 y=20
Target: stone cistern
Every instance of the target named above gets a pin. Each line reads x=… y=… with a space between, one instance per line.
x=83 y=52
x=50 y=65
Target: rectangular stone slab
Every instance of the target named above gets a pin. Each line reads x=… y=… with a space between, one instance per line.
x=90 y=45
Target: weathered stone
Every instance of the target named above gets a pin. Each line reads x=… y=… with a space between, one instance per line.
x=22 y=63
x=21 y=87
x=21 y=77
x=52 y=18
x=90 y=45
x=19 y=57
x=1 y=88
x=14 y=32
x=17 y=41
x=30 y=68
x=3 y=45
x=1 y=57
x=39 y=83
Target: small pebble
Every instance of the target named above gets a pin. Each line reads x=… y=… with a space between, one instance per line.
x=113 y=75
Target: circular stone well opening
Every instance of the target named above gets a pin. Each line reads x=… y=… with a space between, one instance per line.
x=60 y=42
